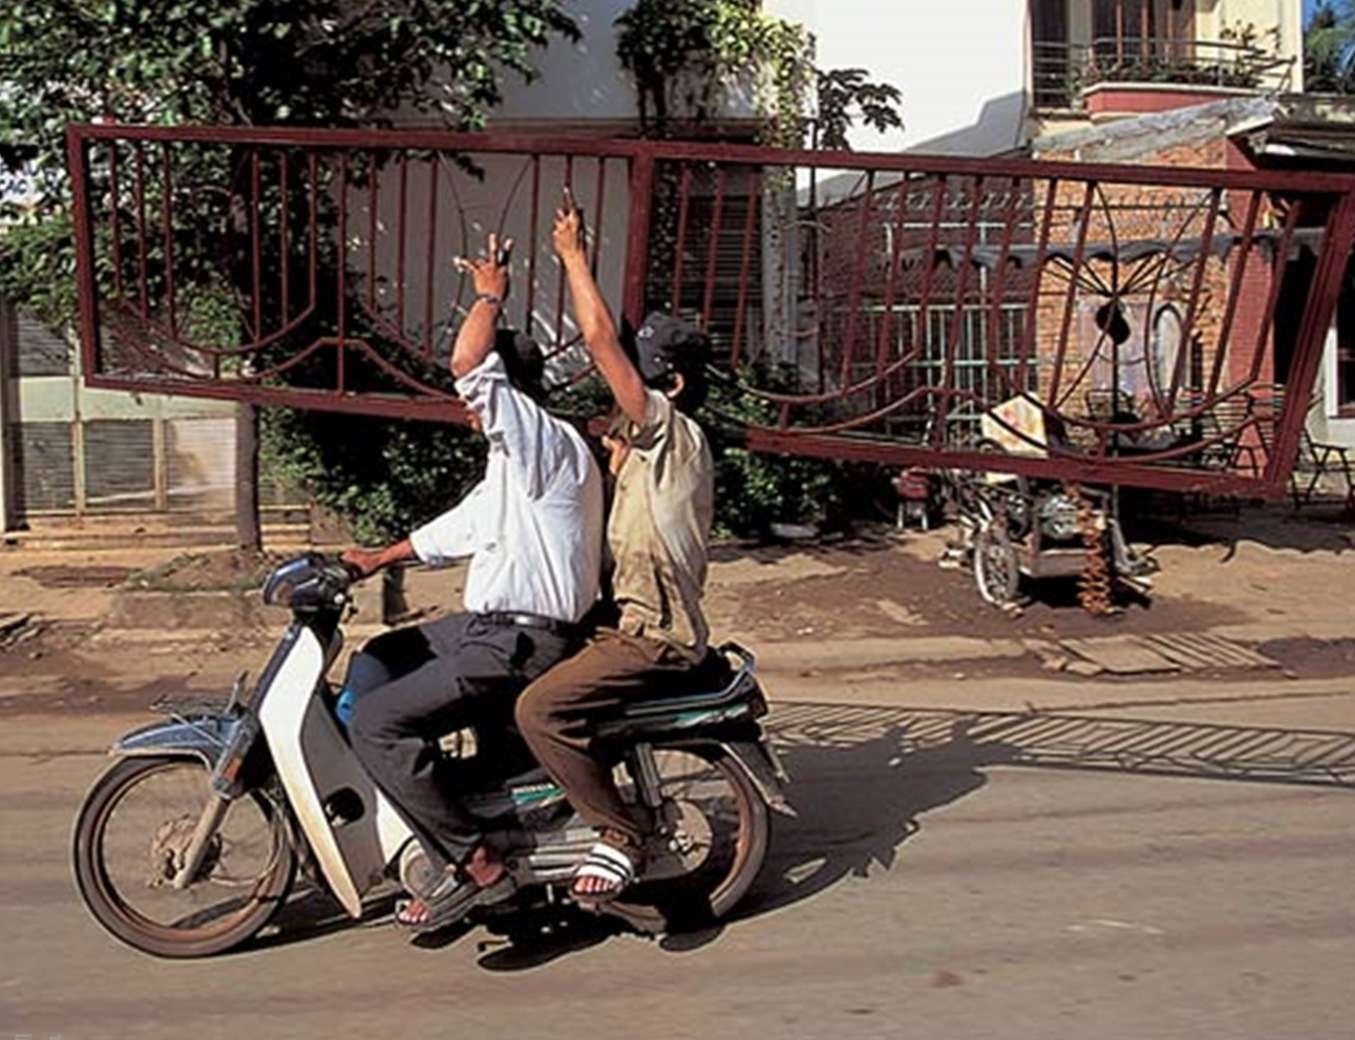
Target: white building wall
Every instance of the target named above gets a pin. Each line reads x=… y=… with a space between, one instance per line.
x=961 y=66
x=581 y=87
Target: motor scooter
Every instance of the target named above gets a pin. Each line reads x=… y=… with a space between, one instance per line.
x=190 y=842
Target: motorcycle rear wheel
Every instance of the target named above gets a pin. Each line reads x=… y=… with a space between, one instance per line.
x=713 y=792
x=137 y=818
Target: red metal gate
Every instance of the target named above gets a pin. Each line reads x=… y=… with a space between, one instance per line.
x=1155 y=327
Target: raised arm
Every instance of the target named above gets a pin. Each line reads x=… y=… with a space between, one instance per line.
x=489 y=275
x=595 y=320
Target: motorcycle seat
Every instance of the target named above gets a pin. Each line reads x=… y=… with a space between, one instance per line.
x=714 y=683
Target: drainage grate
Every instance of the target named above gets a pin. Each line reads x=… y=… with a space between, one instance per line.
x=1190 y=651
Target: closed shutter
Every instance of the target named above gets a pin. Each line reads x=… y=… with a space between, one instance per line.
x=119 y=464
x=44 y=466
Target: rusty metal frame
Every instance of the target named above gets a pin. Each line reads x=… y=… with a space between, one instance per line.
x=885 y=179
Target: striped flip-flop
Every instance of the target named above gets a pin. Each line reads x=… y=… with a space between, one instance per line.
x=608 y=864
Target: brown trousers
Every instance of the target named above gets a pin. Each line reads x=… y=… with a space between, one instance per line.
x=555 y=712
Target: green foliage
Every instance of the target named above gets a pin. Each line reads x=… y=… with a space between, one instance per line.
x=754 y=490
x=383 y=476
x=1329 y=49
x=233 y=62
x=845 y=94
x=686 y=56
x=244 y=62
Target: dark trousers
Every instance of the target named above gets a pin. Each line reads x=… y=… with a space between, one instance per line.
x=555 y=715
x=471 y=669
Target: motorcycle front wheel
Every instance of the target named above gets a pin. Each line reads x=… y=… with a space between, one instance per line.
x=714 y=835
x=130 y=837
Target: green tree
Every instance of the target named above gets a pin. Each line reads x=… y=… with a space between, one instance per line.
x=1329 y=49
x=236 y=62
x=687 y=58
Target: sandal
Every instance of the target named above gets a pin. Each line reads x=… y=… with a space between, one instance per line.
x=451 y=899
x=608 y=864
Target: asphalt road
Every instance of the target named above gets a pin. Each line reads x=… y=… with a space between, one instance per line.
x=928 y=891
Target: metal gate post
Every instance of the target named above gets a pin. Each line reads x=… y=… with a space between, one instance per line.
x=1337 y=243
x=637 y=234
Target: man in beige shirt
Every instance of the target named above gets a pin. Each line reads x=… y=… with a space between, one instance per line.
x=658 y=535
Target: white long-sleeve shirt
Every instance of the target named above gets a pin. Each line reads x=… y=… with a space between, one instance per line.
x=533 y=526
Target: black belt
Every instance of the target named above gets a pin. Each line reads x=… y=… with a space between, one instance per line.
x=521 y=619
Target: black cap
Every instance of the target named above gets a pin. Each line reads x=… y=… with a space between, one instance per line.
x=664 y=343
x=522 y=360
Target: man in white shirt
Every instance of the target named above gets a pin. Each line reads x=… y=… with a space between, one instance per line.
x=533 y=531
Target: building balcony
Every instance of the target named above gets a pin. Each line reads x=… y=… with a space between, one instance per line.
x=1118 y=75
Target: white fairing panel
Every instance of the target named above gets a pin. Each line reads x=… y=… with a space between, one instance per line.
x=315 y=763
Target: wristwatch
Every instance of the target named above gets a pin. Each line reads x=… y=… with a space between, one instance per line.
x=490 y=298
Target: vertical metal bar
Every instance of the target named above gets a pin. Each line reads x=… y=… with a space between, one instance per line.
x=1336 y=247
x=637 y=235
x=749 y=223
x=957 y=321
x=891 y=280
x=76 y=159
x=373 y=201
x=313 y=230
x=684 y=190
x=560 y=270
x=430 y=270
x=1084 y=223
x=713 y=249
x=1000 y=284
x=597 y=213
x=342 y=302
x=142 y=262
x=285 y=243
x=256 y=246
x=116 y=216
x=167 y=214
x=1193 y=308
x=1265 y=329
x=929 y=271
x=1037 y=270
x=528 y=324
x=402 y=228
x=1234 y=292
x=854 y=291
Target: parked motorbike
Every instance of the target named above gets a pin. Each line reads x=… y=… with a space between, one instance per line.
x=189 y=843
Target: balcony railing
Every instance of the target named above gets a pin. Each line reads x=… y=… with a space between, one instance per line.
x=1062 y=71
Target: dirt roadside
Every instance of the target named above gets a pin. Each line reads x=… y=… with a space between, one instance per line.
x=876 y=606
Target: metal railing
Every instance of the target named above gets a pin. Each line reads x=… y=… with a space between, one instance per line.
x=1062 y=71
x=311 y=268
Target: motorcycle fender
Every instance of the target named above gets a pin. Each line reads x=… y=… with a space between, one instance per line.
x=201 y=738
x=766 y=774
